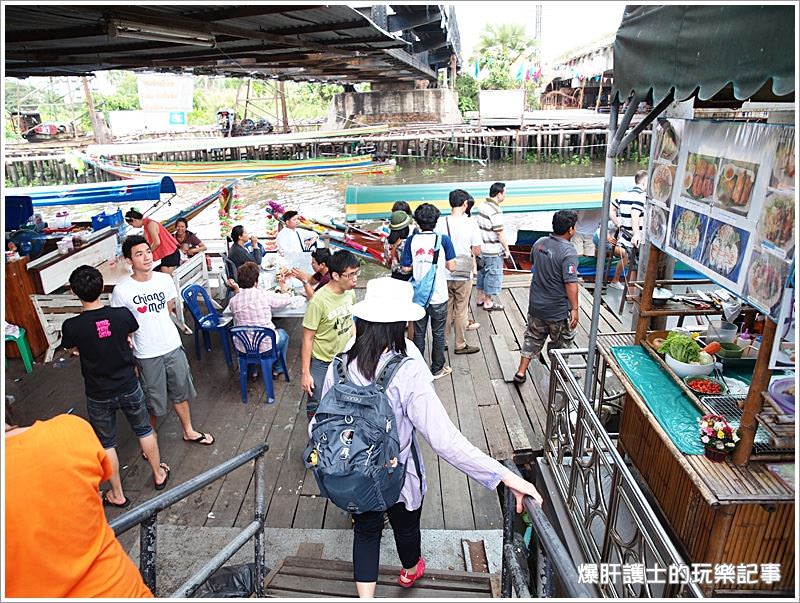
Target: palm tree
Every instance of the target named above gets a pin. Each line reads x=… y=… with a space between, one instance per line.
x=505 y=44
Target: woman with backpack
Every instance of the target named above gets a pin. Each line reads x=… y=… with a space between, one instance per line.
x=380 y=337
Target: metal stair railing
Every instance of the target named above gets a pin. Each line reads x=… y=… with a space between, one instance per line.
x=612 y=519
x=552 y=555
x=146 y=514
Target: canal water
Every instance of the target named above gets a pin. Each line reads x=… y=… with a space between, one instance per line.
x=323 y=196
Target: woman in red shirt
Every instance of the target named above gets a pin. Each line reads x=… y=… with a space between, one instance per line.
x=162 y=243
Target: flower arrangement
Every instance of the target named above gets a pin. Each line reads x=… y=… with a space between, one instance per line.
x=275 y=208
x=716 y=433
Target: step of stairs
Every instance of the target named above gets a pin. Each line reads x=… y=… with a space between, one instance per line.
x=183 y=550
x=300 y=577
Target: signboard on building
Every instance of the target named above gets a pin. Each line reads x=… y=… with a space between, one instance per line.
x=165 y=92
x=125 y=123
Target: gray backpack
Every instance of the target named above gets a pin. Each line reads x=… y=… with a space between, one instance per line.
x=354 y=440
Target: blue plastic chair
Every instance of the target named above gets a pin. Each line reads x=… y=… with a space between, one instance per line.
x=250 y=340
x=207 y=323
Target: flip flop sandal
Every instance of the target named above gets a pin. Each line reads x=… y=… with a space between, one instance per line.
x=163 y=484
x=519 y=378
x=201 y=439
x=495 y=308
x=124 y=505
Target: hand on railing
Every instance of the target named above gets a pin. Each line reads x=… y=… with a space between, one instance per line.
x=520 y=488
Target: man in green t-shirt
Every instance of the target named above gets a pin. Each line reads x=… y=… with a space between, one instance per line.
x=327 y=325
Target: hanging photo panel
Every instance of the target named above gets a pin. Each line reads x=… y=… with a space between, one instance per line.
x=731 y=204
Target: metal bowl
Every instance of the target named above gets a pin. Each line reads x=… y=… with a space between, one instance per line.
x=661 y=296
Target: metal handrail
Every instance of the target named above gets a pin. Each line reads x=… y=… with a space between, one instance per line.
x=146 y=514
x=574 y=430
x=554 y=555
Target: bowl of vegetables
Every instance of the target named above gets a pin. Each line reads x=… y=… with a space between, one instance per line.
x=705 y=386
x=685 y=356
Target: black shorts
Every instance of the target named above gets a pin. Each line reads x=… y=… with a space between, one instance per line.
x=173 y=260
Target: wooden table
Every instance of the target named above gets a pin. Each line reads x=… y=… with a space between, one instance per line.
x=718 y=512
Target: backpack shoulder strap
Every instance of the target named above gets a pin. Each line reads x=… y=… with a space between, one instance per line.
x=436 y=248
x=389 y=369
x=340 y=366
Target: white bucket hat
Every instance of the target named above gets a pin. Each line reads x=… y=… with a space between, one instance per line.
x=388 y=300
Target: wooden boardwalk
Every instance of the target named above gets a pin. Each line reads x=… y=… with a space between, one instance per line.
x=503 y=419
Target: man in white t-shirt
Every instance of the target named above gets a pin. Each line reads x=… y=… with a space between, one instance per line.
x=291 y=239
x=582 y=240
x=163 y=367
x=419 y=254
x=466 y=239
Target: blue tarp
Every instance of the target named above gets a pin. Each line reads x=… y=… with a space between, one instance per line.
x=122 y=191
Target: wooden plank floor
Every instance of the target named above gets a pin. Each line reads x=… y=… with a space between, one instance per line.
x=503 y=419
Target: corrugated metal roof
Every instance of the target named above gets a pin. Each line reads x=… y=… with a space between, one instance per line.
x=299 y=42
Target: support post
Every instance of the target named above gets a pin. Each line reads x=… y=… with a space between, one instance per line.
x=646 y=301
x=260 y=517
x=752 y=405
x=600 y=265
x=284 y=112
x=97 y=129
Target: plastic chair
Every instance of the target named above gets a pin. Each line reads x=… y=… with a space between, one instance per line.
x=250 y=340
x=24 y=349
x=230 y=272
x=207 y=323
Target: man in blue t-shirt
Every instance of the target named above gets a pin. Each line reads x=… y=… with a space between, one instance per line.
x=553 y=297
x=418 y=257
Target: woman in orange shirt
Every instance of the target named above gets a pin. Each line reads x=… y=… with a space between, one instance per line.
x=58 y=542
x=162 y=243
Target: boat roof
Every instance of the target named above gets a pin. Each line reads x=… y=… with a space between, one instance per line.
x=122 y=191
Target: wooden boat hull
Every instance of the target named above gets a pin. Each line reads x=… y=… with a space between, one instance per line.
x=189 y=172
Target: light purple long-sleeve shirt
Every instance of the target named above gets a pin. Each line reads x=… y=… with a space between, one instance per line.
x=417 y=408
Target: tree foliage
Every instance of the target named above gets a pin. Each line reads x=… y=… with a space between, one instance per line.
x=467 y=88
x=501 y=46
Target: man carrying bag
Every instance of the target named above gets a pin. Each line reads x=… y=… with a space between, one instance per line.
x=422 y=257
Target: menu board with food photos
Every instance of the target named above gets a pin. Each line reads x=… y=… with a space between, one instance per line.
x=721 y=198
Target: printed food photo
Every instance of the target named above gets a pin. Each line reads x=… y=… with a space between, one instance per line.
x=725 y=249
x=765 y=279
x=776 y=225
x=735 y=187
x=699 y=176
x=783 y=174
x=661 y=182
x=687 y=231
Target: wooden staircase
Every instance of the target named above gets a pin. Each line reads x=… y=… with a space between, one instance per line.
x=311 y=577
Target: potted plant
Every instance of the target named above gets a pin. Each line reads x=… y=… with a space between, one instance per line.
x=717 y=436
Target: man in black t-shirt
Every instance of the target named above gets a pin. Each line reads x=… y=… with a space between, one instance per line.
x=553 y=297
x=101 y=336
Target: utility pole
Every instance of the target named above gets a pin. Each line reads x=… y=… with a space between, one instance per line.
x=97 y=128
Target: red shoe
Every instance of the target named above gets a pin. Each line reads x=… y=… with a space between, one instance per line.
x=407 y=579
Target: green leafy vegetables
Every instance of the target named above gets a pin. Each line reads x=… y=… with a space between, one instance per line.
x=681 y=347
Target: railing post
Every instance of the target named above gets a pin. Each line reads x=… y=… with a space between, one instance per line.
x=147 y=551
x=544 y=572
x=260 y=517
x=508 y=518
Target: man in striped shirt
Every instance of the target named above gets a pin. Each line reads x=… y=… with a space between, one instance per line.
x=494 y=247
x=628 y=213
